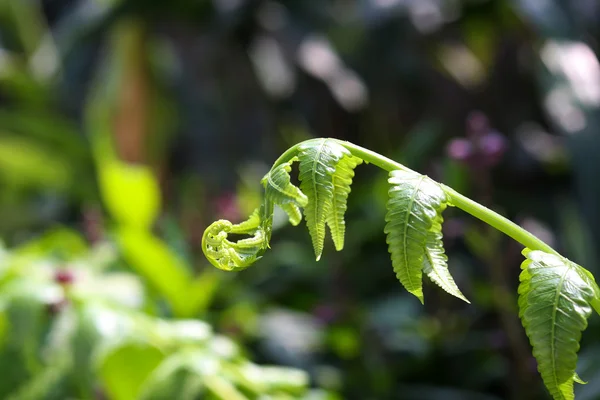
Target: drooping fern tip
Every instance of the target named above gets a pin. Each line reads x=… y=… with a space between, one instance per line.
x=556 y=296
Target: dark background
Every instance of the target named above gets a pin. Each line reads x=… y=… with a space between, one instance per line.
x=498 y=99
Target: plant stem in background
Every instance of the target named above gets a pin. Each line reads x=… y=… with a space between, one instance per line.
x=131 y=127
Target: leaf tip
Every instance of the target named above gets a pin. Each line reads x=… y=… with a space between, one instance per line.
x=418 y=293
x=578 y=379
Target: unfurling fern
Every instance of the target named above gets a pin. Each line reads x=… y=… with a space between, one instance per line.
x=556 y=296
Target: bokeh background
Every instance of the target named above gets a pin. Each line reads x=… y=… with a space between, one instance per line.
x=128 y=126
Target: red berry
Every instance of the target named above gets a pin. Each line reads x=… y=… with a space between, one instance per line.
x=64 y=277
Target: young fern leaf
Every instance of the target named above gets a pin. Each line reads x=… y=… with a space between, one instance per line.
x=556 y=297
x=279 y=190
x=342 y=180
x=236 y=256
x=435 y=261
x=413 y=206
x=319 y=159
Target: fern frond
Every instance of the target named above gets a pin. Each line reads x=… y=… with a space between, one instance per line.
x=318 y=161
x=556 y=296
x=555 y=301
x=280 y=191
x=435 y=261
x=413 y=205
x=342 y=180
x=236 y=256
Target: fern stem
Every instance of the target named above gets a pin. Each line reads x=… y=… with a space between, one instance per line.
x=287 y=156
x=499 y=222
x=456 y=199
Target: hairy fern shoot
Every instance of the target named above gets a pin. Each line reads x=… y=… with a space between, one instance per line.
x=556 y=296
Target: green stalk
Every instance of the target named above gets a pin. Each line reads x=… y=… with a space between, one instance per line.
x=456 y=199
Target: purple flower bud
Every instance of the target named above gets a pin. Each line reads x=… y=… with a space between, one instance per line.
x=493 y=146
x=325 y=313
x=477 y=124
x=460 y=149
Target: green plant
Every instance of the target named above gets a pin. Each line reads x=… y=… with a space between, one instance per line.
x=556 y=296
x=72 y=326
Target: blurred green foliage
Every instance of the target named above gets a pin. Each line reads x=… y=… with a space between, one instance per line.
x=136 y=123
x=76 y=327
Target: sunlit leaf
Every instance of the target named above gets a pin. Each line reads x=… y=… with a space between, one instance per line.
x=124 y=369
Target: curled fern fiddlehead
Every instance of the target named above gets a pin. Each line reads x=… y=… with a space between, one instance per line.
x=236 y=256
x=556 y=296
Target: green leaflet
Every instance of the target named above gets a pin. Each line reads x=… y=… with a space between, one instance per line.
x=435 y=262
x=318 y=161
x=415 y=202
x=342 y=180
x=555 y=301
x=279 y=190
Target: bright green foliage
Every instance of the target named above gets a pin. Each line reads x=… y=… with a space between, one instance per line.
x=60 y=341
x=342 y=180
x=555 y=301
x=130 y=192
x=435 y=262
x=413 y=205
x=556 y=295
x=236 y=256
x=279 y=190
x=318 y=161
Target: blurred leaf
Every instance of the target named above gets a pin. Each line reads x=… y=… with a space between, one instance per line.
x=62 y=242
x=47 y=126
x=172 y=379
x=267 y=379
x=125 y=369
x=201 y=290
x=4 y=326
x=24 y=163
x=344 y=341
x=130 y=193
x=121 y=289
x=25 y=305
x=167 y=272
x=152 y=259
